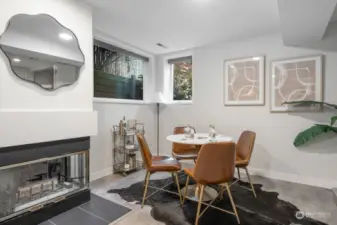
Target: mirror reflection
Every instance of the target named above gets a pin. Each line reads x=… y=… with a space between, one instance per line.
x=42 y=51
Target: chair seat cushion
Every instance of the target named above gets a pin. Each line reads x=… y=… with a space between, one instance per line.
x=241 y=162
x=164 y=164
x=184 y=149
x=187 y=155
x=189 y=172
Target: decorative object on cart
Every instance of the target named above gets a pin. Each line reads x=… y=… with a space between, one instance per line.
x=122 y=126
x=299 y=79
x=244 y=81
x=125 y=148
x=42 y=51
x=312 y=132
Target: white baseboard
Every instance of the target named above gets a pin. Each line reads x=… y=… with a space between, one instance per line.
x=101 y=173
x=294 y=178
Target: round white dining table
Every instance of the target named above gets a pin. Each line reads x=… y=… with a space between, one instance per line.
x=198 y=140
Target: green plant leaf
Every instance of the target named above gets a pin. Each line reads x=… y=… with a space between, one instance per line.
x=333 y=120
x=312 y=132
x=309 y=103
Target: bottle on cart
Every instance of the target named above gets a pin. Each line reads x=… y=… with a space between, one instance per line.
x=121 y=126
x=124 y=124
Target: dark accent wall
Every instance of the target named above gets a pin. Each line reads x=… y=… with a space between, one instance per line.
x=25 y=153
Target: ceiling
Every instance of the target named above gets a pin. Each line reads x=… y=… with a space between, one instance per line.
x=184 y=24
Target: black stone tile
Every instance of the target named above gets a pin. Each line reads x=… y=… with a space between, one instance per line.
x=105 y=209
x=77 y=216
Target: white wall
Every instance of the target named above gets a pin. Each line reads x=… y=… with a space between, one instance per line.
x=110 y=114
x=274 y=154
x=27 y=112
x=111 y=111
x=16 y=94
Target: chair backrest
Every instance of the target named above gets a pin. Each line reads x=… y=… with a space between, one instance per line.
x=215 y=163
x=245 y=145
x=145 y=151
x=180 y=148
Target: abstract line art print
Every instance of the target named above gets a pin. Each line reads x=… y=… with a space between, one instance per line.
x=295 y=80
x=244 y=81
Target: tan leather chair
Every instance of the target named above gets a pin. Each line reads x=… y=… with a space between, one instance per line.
x=183 y=151
x=215 y=165
x=244 y=150
x=155 y=164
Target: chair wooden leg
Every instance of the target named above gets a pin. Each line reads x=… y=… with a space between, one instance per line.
x=239 y=176
x=146 y=184
x=178 y=188
x=232 y=202
x=186 y=187
x=251 y=184
x=199 y=204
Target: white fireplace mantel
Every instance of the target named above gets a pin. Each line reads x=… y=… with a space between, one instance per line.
x=19 y=128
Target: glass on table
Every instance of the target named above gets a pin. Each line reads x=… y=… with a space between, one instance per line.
x=212 y=132
x=189 y=132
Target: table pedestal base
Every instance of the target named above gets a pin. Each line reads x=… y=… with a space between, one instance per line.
x=209 y=193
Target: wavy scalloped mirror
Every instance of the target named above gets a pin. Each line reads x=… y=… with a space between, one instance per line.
x=42 y=51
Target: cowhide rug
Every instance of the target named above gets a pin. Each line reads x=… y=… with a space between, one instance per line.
x=266 y=209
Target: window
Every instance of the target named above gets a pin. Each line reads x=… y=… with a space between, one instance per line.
x=181 y=69
x=118 y=73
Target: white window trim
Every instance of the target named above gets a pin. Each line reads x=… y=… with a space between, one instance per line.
x=148 y=81
x=168 y=73
x=121 y=101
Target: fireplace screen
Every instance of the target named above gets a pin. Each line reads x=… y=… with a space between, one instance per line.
x=29 y=186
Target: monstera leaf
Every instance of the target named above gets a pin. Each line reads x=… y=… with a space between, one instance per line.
x=318 y=129
x=312 y=132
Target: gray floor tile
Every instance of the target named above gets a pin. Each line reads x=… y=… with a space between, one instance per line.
x=105 y=209
x=77 y=216
x=46 y=223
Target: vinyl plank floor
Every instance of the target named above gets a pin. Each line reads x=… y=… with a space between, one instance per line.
x=46 y=223
x=105 y=209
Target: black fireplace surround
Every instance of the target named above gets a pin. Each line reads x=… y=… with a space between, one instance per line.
x=21 y=154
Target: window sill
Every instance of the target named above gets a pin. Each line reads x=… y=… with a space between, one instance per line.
x=184 y=102
x=121 y=101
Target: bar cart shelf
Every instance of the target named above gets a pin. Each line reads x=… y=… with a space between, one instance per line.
x=126 y=149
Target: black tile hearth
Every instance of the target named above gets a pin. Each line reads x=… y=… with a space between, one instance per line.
x=105 y=209
x=98 y=211
x=77 y=216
